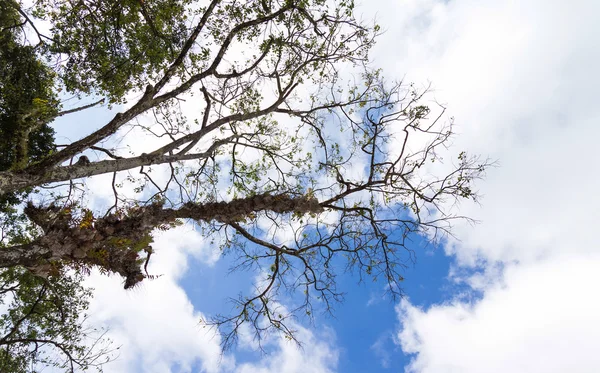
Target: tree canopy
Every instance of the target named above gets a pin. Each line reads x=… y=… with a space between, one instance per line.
x=272 y=133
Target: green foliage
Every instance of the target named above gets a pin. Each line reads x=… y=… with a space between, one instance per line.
x=43 y=318
x=112 y=46
x=27 y=97
x=43 y=324
x=27 y=102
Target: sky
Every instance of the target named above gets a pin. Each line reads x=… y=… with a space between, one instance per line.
x=515 y=292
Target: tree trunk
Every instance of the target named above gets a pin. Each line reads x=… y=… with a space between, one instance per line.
x=115 y=243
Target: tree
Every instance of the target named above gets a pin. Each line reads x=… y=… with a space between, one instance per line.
x=44 y=318
x=43 y=327
x=42 y=323
x=303 y=162
x=26 y=101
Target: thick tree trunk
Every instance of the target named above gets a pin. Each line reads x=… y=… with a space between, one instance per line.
x=116 y=243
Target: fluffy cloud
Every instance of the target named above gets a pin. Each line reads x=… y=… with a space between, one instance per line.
x=156 y=324
x=316 y=355
x=521 y=80
x=542 y=318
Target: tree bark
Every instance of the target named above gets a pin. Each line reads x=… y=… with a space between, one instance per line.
x=115 y=243
x=12 y=181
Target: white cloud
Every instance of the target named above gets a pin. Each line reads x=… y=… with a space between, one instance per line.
x=317 y=355
x=156 y=324
x=542 y=318
x=175 y=246
x=380 y=350
x=521 y=79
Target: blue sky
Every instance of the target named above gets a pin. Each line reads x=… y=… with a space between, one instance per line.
x=361 y=324
x=513 y=293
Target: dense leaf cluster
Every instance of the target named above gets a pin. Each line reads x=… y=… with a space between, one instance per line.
x=27 y=96
x=109 y=47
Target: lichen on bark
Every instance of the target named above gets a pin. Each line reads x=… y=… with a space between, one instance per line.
x=117 y=242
